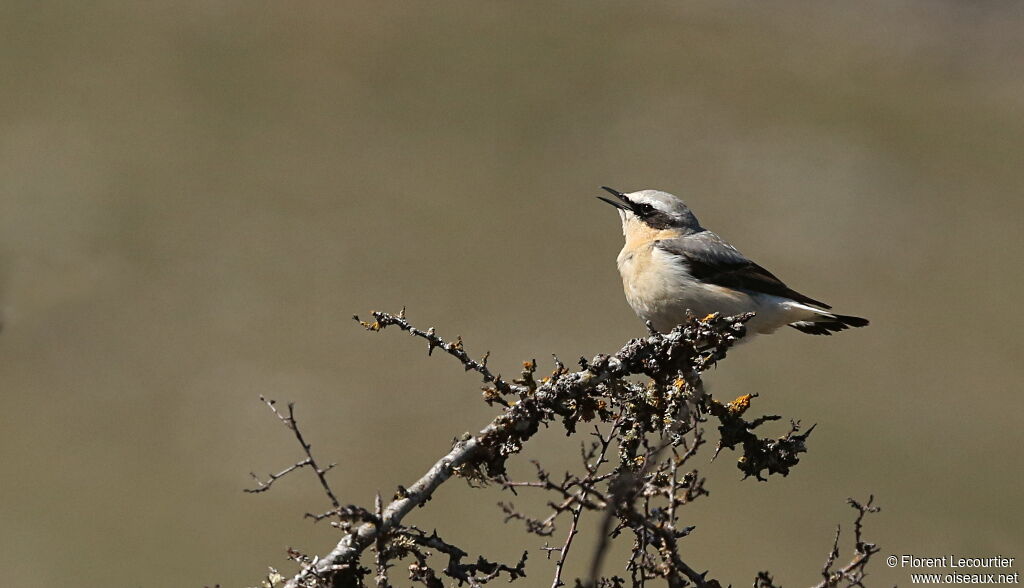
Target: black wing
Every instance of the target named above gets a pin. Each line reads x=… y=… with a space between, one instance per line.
x=712 y=260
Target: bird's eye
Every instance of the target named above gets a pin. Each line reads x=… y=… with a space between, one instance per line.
x=644 y=209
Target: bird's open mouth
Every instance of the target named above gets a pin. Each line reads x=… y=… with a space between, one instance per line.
x=623 y=204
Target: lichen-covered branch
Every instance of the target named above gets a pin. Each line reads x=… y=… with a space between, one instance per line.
x=636 y=473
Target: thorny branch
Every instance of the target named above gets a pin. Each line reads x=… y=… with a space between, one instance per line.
x=655 y=426
x=289 y=421
x=383 y=320
x=852 y=574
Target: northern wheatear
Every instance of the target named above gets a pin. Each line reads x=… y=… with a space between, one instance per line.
x=671 y=264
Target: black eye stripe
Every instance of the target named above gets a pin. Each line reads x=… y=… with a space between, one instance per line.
x=655 y=219
x=645 y=208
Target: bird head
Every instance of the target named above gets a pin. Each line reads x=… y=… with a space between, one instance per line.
x=654 y=209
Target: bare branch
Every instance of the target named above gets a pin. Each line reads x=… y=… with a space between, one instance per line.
x=564 y=551
x=852 y=574
x=289 y=421
x=264 y=486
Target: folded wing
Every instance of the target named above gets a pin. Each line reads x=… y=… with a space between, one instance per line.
x=712 y=260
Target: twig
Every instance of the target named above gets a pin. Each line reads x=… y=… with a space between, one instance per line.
x=264 y=486
x=564 y=551
x=289 y=421
x=853 y=572
x=587 y=486
x=383 y=320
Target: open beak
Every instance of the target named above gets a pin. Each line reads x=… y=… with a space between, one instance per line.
x=623 y=204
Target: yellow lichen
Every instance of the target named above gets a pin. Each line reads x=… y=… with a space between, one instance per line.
x=740 y=405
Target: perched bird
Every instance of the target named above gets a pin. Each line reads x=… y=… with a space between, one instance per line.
x=671 y=264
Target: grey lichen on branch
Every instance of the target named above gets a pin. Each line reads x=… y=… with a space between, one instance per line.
x=637 y=472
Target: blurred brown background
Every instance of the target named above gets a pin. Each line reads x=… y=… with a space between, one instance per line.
x=196 y=198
